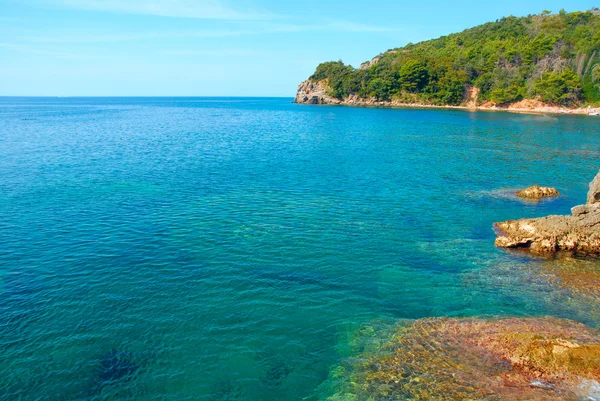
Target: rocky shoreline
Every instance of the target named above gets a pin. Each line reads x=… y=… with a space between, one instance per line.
x=310 y=92
x=578 y=233
x=543 y=358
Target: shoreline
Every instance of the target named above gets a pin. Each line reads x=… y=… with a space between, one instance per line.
x=315 y=93
x=592 y=112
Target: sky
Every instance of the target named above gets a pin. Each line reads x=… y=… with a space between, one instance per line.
x=216 y=47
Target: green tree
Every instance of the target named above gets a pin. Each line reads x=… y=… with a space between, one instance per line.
x=452 y=88
x=596 y=73
x=563 y=89
x=506 y=95
x=379 y=88
x=413 y=76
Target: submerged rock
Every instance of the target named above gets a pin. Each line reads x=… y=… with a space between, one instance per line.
x=474 y=359
x=537 y=192
x=116 y=366
x=579 y=276
x=577 y=233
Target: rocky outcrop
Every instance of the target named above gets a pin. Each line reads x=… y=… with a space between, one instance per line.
x=310 y=92
x=537 y=192
x=368 y=64
x=553 y=233
x=579 y=233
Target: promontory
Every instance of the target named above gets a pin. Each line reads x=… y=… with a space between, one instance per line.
x=545 y=62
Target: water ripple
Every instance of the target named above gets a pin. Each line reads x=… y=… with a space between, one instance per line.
x=222 y=249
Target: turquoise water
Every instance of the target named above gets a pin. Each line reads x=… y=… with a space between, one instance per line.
x=224 y=249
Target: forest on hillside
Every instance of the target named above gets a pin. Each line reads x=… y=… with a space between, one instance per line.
x=554 y=58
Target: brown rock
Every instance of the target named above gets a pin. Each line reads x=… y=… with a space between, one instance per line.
x=537 y=192
x=552 y=233
x=579 y=233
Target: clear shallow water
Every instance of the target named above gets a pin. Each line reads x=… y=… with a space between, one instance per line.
x=223 y=249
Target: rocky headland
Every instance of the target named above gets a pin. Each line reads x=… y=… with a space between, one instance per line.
x=499 y=65
x=317 y=92
x=577 y=233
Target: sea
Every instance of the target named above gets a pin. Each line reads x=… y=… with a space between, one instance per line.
x=229 y=248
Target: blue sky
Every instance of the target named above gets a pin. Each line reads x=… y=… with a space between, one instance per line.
x=214 y=47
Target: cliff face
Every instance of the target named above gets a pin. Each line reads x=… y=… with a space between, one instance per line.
x=311 y=92
x=314 y=93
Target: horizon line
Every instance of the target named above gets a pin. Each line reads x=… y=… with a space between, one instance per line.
x=145 y=96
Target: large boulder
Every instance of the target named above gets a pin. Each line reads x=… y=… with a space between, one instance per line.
x=579 y=233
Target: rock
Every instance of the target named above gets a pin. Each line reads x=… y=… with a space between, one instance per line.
x=593 y=197
x=311 y=92
x=549 y=234
x=537 y=192
x=368 y=64
x=584 y=209
x=479 y=359
x=579 y=233
x=578 y=278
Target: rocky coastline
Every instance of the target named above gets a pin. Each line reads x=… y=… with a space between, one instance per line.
x=311 y=92
x=543 y=358
x=577 y=233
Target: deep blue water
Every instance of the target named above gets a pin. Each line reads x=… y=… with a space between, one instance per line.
x=224 y=249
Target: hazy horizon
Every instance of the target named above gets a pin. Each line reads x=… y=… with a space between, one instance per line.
x=183 y=48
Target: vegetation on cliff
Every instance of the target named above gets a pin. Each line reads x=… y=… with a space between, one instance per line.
x=554 y=58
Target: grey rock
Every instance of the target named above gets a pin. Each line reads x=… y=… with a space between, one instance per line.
x=310 y=92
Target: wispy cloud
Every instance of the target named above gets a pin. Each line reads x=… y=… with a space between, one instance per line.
x=248 y=29
x=130 y=37
x=206 y=9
